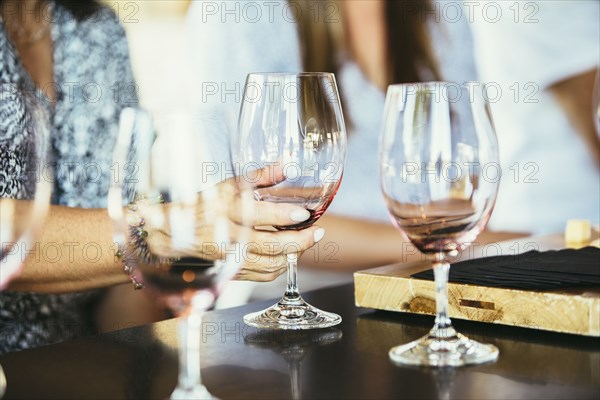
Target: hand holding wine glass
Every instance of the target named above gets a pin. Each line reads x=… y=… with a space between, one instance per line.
x=439 y=176
x=265 y=256
x=291 y=126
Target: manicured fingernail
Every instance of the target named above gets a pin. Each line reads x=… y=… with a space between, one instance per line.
x=299 y=215
x=318 y=235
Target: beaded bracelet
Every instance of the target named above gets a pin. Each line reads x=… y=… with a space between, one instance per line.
x=137 y=250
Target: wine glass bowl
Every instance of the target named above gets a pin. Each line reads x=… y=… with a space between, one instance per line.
x=439 y=177
x=291 y=126
x=312 y=194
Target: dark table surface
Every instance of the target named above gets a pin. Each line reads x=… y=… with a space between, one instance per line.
x=349 y=361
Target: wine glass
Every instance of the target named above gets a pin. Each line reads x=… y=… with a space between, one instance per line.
x=292 y=126
x=173 y=202
x=26 y=179
x=439 y=176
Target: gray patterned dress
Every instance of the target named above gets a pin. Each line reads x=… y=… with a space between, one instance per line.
x=93 y=82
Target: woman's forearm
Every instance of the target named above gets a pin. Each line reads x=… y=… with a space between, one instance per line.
x=75 y=252
x=352 y=244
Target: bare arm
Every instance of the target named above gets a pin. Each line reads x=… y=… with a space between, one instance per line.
x=578 y=98
x=352 y=244
x=75 y=252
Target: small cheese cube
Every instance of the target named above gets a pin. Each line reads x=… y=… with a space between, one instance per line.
x=578 y=231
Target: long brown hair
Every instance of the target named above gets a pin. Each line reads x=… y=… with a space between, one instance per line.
x=409 y=53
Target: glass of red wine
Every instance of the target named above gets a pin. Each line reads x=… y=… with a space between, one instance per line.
x=291 y=126
x=439 y=176
x=178 y=219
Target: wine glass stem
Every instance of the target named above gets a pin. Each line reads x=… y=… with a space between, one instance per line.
x=291 y=291
x=443 y=326
x=189 y=353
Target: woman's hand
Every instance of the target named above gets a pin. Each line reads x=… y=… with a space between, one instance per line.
x=266 y=255
x=227 y=221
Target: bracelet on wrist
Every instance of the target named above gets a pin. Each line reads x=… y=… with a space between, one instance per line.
x=136 y=250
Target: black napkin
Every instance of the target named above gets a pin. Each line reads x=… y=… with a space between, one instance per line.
x=533 y=270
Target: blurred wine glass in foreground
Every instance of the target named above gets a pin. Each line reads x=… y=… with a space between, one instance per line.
x=439 y=176
x=173 y=210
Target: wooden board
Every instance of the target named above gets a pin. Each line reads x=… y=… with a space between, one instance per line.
x=391 y=288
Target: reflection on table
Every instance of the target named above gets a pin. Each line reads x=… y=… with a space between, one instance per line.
x=241 y=362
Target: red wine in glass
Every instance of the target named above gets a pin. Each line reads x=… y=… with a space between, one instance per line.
x=315 y=200
x=436 y=140
x=293 y=126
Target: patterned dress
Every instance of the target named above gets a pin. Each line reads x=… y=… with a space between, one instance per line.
x=93 y=81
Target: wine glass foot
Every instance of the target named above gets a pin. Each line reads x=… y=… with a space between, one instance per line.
x=299 y=315
x=197 y=392
x=454 y=351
